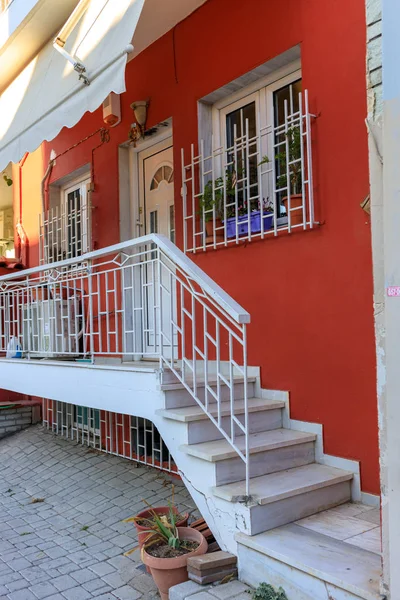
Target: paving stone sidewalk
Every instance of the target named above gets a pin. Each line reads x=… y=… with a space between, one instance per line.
x=71 y=545
x=234 y=590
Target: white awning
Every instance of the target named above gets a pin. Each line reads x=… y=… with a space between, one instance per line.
x=48 y=94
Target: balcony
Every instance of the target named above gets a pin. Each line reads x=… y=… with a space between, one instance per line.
x=258 y=186
x=80 y=331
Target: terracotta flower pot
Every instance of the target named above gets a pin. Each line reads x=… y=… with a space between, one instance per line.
x=168 y=572
x=160 y=510
x=296 y=201
x=219 y=233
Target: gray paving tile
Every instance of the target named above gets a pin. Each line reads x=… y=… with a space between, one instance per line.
x=43 y=590
x=64 y=582
x=127 y=593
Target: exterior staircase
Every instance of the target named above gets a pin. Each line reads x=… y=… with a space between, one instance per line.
x=286 y=484
x=250 y=476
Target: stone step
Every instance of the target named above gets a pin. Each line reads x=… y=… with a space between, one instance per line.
x=177 y=396
x=308 y=564
x=264 y=415
x=286 y=496
x=271 y=451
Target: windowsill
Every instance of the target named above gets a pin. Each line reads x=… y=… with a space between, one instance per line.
x=282 y=231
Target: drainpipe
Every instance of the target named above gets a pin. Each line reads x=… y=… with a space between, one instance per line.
x=45 y=187
x=23 y=246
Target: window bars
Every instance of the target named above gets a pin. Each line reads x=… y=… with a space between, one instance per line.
x=257 y=187
x=65 y=231
x=127 y=436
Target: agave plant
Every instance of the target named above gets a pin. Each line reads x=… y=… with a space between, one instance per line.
x=163 y=528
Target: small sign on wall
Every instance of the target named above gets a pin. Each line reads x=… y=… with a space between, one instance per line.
x=393 y=290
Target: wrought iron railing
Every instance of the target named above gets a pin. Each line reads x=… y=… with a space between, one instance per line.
x=141 y=298
x=127 y=436
x=257 y=187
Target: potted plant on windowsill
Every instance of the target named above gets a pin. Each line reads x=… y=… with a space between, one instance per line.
x=167 y=549
x=211 y=208
x=243 y=219
x=237 y=217
x=295 y=183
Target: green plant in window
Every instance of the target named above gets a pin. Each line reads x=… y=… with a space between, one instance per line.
x=292 y=154
x=267 y=592
x=235 y=191
x=213 y=195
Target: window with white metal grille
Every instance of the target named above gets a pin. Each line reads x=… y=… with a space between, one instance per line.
x=65 y=227
x=254 y=177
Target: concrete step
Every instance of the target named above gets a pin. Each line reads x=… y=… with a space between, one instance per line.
x=177 y=396
x=309 y=565
x=271 y=451
x=264 y=415
x=286 y=496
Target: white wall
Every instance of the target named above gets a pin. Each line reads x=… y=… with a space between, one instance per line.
x=384 y=145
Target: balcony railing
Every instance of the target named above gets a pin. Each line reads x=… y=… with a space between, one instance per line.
x=257 y=187
x=64 y=232
x=141 y=298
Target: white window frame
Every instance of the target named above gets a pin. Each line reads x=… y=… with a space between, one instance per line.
x=83 y=185
x=262 y=95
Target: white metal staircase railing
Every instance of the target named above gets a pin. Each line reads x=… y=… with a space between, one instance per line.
x=140 y=298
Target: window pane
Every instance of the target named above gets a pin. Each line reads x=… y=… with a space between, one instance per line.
x=74 y=224
x=242 y=164
x=290 y=94
x=153 y=222
x=238 y=117
x=172 y=223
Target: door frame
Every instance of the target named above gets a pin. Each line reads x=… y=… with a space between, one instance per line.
x=131 y=159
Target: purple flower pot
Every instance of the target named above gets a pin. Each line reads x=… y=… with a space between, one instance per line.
x=243 y=224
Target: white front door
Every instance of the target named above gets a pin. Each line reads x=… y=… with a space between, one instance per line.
x=156 y=197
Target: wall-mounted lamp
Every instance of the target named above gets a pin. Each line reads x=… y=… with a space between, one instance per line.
x=137 y=129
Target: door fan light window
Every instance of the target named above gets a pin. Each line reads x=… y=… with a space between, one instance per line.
x=164 y=173
x=256 y=179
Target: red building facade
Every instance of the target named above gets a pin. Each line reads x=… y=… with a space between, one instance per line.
x=309 y=293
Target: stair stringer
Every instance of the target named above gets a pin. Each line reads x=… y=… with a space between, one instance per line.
x=224 y=518
x=321 y=457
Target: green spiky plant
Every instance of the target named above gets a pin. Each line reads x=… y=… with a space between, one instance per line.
x=162 y=530
x=159 y=528
x=265 y=591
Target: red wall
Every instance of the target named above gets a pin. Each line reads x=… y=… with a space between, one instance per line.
x=309 y=294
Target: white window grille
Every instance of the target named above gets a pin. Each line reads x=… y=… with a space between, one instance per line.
x=127 y=436
x=256 y=183
x=65 y=229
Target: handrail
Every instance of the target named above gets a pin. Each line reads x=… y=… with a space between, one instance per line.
x=237 y=312
x=141 y=297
